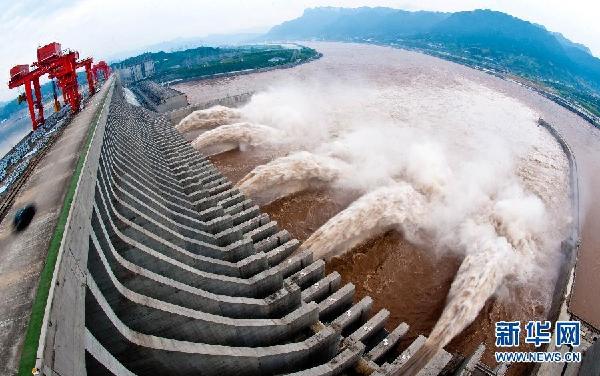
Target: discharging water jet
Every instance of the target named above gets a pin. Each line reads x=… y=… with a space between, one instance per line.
x=397 y=206
x=233 y=136
x=286 y=175
x=208 y=118
x=480 y=274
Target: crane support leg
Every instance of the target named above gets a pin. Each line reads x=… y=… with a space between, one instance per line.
x=90 y=78
x=29 y=97
x=39 y=102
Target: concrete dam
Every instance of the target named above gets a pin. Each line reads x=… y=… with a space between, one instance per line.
x=274 y=225
x=165 y=268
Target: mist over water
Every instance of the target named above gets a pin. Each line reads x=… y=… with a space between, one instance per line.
x=454 y=167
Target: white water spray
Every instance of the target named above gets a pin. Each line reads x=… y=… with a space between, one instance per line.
x=208 y=118
x=398 y=206
x=457 y=168
x=286 y=175
x=233 y=136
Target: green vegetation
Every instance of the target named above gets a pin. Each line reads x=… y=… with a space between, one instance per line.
x=586 y=99
x=32 y=337
x=207 y=61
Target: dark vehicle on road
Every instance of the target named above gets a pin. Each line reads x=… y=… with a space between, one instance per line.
x=23 y=217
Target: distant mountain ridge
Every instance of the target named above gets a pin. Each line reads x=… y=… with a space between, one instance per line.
x=520 y=46
x=329 y=22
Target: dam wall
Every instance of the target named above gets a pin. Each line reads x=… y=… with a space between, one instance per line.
x=230 y=101
x=159 y=98
x=167 y=269
x=573 y=180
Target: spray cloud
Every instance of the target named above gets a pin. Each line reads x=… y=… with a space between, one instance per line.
x=455 y=167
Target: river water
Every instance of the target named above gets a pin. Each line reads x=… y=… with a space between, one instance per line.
x=405 y=278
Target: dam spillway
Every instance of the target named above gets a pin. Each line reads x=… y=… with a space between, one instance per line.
x=396 y=317
x=166 y=268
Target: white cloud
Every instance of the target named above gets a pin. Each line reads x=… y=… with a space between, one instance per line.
x=102 y=28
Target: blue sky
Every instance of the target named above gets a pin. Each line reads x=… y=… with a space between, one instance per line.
x=103 y=28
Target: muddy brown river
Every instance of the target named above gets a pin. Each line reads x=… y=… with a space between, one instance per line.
x=406 y=279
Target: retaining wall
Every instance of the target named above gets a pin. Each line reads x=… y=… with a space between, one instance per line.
x=570 y=245
x=569 y=249
x=159 y=98
x=230 y=101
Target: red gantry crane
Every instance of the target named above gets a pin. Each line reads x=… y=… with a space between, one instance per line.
x=87 y=64
x=57 y=64
x=103 y=68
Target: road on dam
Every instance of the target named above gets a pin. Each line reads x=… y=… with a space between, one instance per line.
x=23 y=254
